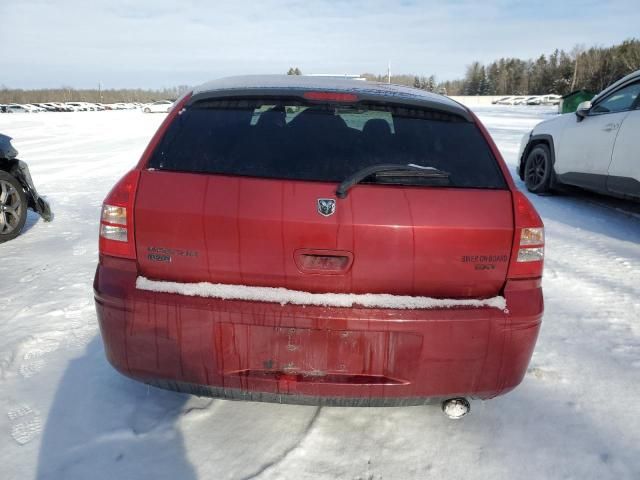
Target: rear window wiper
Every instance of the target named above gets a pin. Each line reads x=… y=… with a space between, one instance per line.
x=389 y=171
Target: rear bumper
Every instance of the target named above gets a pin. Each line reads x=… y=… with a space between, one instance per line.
x=314 y=355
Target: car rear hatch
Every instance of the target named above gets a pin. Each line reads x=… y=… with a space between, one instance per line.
x=243 y=191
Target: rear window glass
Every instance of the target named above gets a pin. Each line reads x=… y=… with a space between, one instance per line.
x=292 y=140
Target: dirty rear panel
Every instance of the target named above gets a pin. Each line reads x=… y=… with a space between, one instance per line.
x=262 y=351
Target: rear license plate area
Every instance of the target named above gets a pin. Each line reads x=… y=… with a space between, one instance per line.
x=317 y=355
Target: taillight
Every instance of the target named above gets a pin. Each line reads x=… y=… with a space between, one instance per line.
x=527 y=257
x=116 y=221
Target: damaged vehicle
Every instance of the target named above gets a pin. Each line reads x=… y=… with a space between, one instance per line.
x=321 y=241
x=17 y=193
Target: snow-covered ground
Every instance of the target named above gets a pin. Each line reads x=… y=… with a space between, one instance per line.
x=66 y=414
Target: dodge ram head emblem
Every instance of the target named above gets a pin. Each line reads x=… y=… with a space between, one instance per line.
x=326 y=206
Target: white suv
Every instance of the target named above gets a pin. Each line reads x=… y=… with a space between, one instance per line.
x=597 y=147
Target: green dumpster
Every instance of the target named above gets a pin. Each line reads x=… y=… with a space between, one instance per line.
x=569 y=103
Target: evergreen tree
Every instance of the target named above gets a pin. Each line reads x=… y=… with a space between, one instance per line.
x=431 y=83
x=473 y=79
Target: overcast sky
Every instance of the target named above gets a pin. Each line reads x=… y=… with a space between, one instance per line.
x=156 y=43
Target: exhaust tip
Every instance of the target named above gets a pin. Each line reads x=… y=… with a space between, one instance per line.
x=456 y=408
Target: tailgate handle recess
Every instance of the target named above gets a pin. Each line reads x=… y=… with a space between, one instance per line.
x=327 y=262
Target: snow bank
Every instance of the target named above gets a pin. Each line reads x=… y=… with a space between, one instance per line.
x=295 y=297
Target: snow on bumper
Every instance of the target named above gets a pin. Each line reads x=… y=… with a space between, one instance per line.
x=285 y=296
x=262 y=350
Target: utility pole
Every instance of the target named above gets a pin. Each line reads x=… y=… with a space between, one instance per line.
x=100 y=91
x=389 y=72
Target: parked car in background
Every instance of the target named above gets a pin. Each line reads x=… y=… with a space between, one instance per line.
x=534 y=100
x=161 y=106
x=63 y=107
x=122 y=106
x=83 y=106
x=514 y=100
x=505 y=100
x=33 y=108
x=500 y=101
x=17 y=193
x=595 y=148
x=550 y=99
x=316 y=255
x=15 y=108
x=50 y=107
x=42 y=107
x=78 y=106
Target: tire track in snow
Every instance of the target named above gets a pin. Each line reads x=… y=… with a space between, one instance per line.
x=591 y=278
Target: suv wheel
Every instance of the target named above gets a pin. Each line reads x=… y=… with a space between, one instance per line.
x=147 y=110
x=13 y=207
x=538 y=169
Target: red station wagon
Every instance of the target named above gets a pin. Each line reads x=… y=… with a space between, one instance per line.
x=321 y=241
